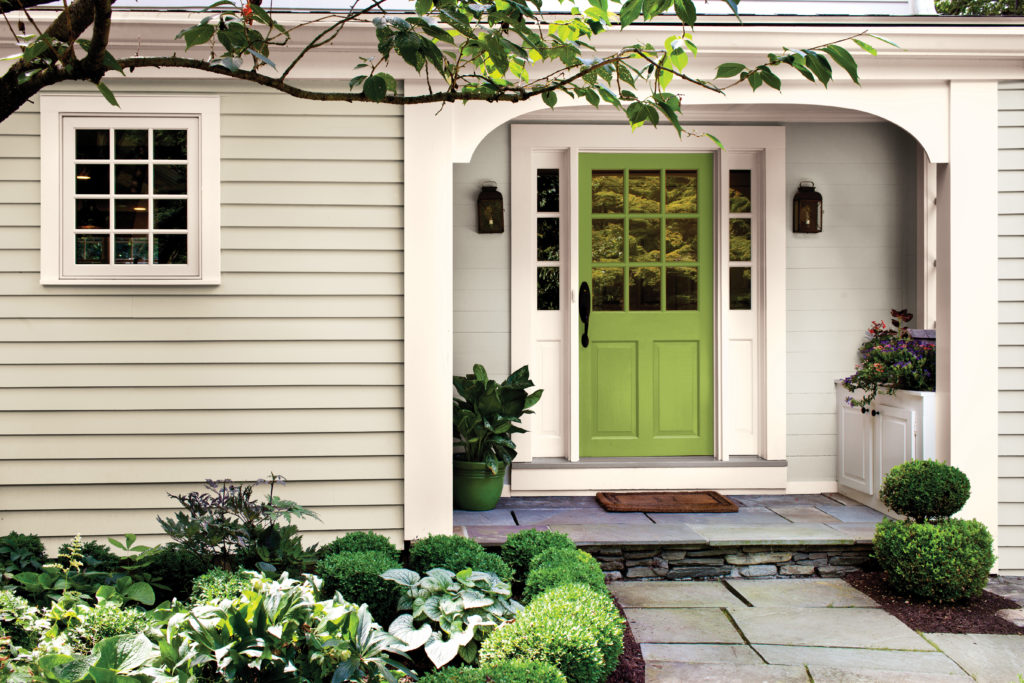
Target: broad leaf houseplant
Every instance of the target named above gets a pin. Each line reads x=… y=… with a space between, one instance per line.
x=485 y=416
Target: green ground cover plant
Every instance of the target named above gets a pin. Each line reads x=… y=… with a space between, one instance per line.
x=217 y=584
x=508 y=671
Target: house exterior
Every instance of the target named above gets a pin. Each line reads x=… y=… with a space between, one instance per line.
x=327 y=278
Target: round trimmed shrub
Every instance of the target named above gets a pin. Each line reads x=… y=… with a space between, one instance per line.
x=21 y=553
x=507 y=671
x=523 y=546
x=450 y=552
x=96 y=557
x=218 y=584
x=357 y=541
x=558 y=566
x=356 y=575
x=491 y=563
x=942 y=562
x=573 y=627
x=924 y=489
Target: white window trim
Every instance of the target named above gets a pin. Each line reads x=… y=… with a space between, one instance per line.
x=53 y=111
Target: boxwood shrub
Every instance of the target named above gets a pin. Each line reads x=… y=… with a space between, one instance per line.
x=507 y=671
x=21 y=553
x=558 y=566
x=96 y=556
x=356 y=541
x=925 y=490
x=523 y=546
x=574 y=627
x=450 y=552
x=942 y=562
x=356 y=575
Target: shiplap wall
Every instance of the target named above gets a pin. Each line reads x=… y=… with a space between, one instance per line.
x=112 y=396
x=838 y=281
x=482 y=263
x=1011 y=328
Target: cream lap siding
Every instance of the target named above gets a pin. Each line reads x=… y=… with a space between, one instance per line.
x=110 y=397
x=1011 y=328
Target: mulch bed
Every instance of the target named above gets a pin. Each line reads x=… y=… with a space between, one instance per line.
x=631 y=664
x=975 y=616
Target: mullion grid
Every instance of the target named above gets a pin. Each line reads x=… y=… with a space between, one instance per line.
x=537 y=217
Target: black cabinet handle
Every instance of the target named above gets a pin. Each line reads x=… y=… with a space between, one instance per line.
x=874 y=412
x=585 y=313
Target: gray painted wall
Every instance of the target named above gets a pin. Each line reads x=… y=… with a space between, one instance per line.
x=838 y=281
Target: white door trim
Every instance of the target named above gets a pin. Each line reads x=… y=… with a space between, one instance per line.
x=768 y=142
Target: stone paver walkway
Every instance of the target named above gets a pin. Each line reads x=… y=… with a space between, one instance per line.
x=809 y=630
x=782 y=520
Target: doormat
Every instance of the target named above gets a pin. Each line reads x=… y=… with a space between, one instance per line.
x=665 y=501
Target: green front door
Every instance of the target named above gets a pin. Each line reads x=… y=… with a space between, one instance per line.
x=646 y=253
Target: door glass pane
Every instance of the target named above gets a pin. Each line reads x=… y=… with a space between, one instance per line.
x=131 y=179
x=131 y=144
x=645 y=289
x=92 y=144
x=644 y=192
x=131 y=214
x=606 y=241
x=739 y=289
x=680 y=192
x=547 y=239
x=681 y=239
x=739 y=239
x=92 y=214
x=547 y=288
x=131 y=249
x=92 y=249
x=606 y=192
x=170 y=144
x=92 y=179
x=170 y=214
x=607 y=287
x=170 y=179
x=645 y=239
x=547 y=189
x=739 y=191
x=681 y=289
x=170 y=249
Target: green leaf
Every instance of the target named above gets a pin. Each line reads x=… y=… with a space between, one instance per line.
x=819 y=66
x=197 y=35
x=261 y=58
x=715 y=140
x=770 y=79
x=844 y=59
x=754 y=79
x=107 y=94
x=439 y=651
x=375 y=87
x=729 y=70
x=423 y=6
x=123 y=653
x=140 y=592
x=630 y=12
x=686 y=11
x=866 y=47
x=592 y=97
x=734 y=6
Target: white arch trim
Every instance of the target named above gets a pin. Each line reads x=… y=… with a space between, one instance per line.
x=922 y=110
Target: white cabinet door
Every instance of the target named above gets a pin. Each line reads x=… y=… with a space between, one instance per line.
x=894 y=438
x=855 y=449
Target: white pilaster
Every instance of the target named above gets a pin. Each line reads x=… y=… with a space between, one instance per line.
x=967 y=313
x=428 y=319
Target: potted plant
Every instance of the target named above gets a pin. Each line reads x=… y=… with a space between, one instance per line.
x=485 y=417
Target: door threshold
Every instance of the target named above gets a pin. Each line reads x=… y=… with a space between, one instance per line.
x=654 y=461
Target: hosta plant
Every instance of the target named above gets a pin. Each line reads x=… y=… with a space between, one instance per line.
x=277 y=631
x=449 y=614
x=488 y=414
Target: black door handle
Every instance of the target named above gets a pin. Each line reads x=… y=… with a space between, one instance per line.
x=585 y=313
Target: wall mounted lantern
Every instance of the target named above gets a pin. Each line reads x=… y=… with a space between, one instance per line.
x=490 y=209
x=807 y=211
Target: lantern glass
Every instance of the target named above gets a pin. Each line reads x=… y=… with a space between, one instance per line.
x=490 y=210
x=807 y=209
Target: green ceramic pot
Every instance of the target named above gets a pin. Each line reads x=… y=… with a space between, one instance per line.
x=475 y=487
